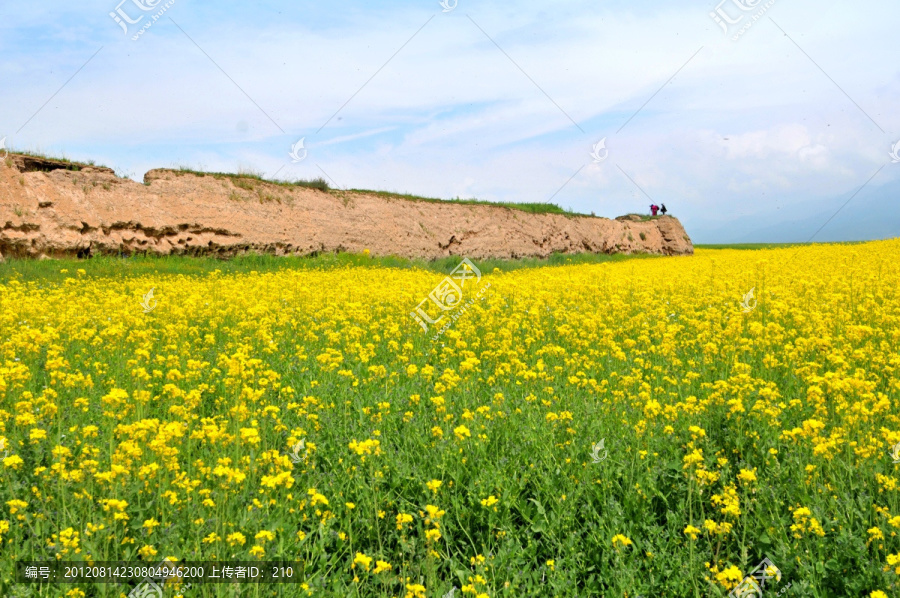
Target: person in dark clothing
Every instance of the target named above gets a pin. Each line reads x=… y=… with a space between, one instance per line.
x=663 y=210
x=654 y=208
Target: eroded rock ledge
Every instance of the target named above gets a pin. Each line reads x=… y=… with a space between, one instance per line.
x=55 y=208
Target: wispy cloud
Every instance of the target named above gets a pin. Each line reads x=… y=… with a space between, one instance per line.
x=747 y=123
x=355 y=136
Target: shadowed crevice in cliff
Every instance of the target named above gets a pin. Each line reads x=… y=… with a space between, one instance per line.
x=26 y=163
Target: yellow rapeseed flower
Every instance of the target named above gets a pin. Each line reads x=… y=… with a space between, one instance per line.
x=402 y=519
x=462 y=432
x=620 y=540
x=747 y=475
x=363 y=560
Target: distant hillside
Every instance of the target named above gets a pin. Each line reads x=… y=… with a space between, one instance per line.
x=873 y=214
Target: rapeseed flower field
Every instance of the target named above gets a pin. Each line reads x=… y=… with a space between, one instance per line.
x=634 y=428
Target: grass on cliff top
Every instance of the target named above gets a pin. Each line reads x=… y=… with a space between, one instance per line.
x=74 y=164
x=643 y=217
x=531 y=208
x=322 y=185
x=318 y=183
x=57 y=270
x=242 y=177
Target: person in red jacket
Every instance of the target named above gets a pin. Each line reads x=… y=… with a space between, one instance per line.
x=653 y=209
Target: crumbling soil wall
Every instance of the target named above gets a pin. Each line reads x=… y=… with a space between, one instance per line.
x=49 y=209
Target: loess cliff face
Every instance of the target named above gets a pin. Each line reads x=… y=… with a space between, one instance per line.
x=48 y=209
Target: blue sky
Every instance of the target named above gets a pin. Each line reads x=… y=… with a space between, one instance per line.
x=765 y=135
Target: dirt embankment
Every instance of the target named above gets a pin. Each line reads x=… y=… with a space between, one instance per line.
x=47 y=209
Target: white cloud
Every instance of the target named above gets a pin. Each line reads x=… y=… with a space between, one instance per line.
x=451 y=115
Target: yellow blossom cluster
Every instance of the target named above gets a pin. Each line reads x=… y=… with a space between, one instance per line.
x=614 y=410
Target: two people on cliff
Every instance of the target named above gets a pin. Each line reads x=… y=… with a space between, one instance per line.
x=655 y=208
